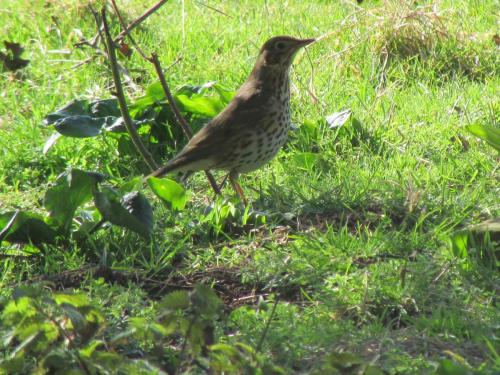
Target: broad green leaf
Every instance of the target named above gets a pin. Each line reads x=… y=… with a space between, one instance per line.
x=82 y=107
x=139 y=207
x=105 y=108
x=459 y=243
x=169 y=191
x=154 y=94
x=88 y=350
x=17 y=310
x=310 y=129
x=140 y=105
x=132 y=184
x=72 y=189
x=155 y=91
x=12 y=365
x=190 y=90
x=206 y=106
x=145 y=326
x=112 y=209
x=225 y=94
x=343 y=360
x=448 y=367
x=81 y=126
x=488 y=133
x=77 y=300
x=205 y=301
x=305 y=160
x=177 y=300
x=25 y=227
x=118 y=126
x=77 y=319
x=82 y=119
x=227 y=349
x=26 y=291
x=58 y=361
x=74 y=108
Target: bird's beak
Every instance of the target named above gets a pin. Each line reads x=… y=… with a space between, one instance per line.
x=305 y=42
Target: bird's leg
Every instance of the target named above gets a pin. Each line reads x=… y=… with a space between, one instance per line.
x=223 y=182
x=233 y=178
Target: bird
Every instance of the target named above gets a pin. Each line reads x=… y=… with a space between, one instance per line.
x=254 y=125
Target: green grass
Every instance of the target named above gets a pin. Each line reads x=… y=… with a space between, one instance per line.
x=356 y=245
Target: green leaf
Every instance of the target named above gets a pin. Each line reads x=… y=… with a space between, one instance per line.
x=76 y=317
x=145 y=327
x=88 y=350
x=205 y=301
x=12 y=365
x=74 y=108
x=58 y=361
x=81 y=119
x=305 y=160
x=17 y=310
x=310 y=129
x=343 y=360
x=154 y=94
x=26 y=291
x=155 y=91
x=459 y=243
x=105 y=108
x=206 y=106
x=169 y=191
x=82 y=126
x=25 y=227
x=72 y=189
x=448 y=367
x=225 y=94
x=488 y=133
x=139 y=207
x=77 y=300
x=113 y=209
x=177 y=300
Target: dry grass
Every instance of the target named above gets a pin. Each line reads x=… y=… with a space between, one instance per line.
x=404 y=31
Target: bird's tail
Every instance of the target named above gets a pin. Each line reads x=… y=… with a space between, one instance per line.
x=173 y=165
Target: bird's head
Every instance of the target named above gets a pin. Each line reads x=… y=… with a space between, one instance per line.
x=279 y=51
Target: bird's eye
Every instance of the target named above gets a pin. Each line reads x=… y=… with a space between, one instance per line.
x=280 y=46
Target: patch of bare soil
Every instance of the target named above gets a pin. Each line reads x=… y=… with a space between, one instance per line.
x=226 y=282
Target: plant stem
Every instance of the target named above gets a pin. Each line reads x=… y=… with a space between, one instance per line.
x=136 y=140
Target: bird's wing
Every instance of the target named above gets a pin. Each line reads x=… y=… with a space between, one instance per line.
x=241 y=114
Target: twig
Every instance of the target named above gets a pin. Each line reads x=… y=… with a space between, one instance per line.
x=139 y=20
x=159 y=71
x=213 y=8
x=86 y=61
x=122 y=23
x=268 y=323
x=182 y=121
x=121 y=97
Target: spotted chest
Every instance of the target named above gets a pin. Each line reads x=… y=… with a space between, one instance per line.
x=259 y=145
x=261 y=142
